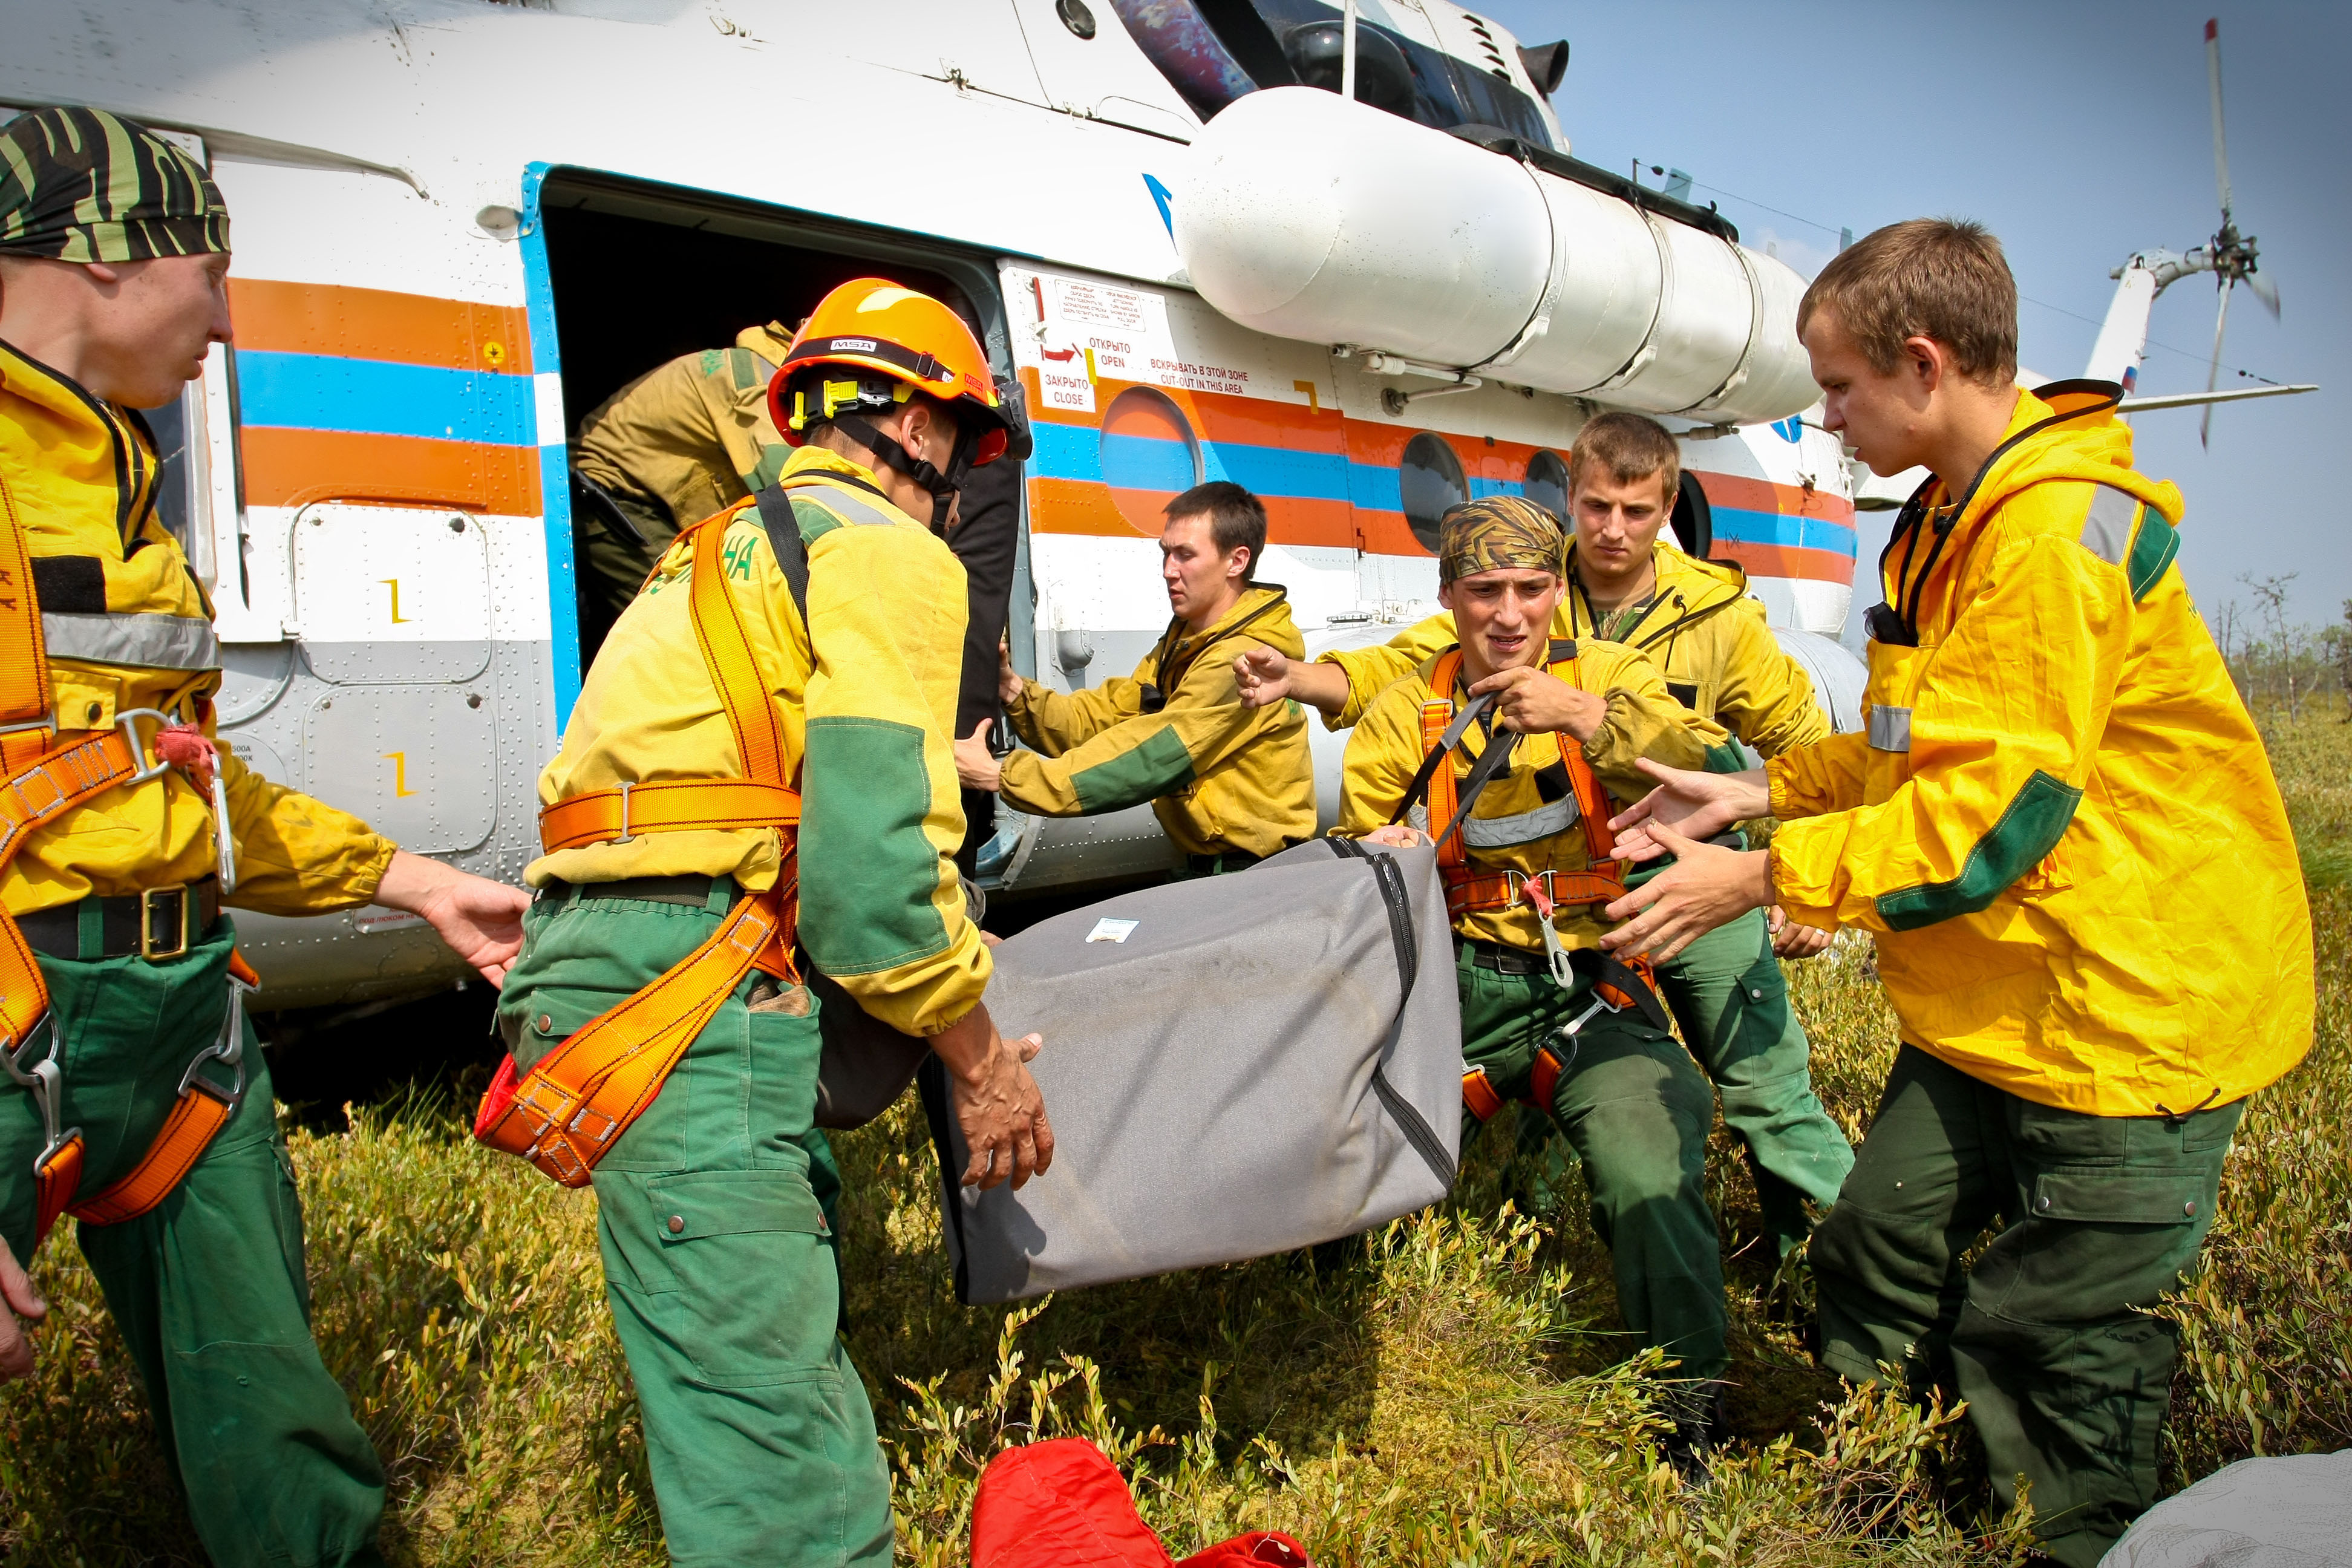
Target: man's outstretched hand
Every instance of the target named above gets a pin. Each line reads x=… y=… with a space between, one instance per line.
x=1266 y=677
x=18 y=1300
x=976 y=765
x=1706 y=887
x=479 y=919
x=1694 y=805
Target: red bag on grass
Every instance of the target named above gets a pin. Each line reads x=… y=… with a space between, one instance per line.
x=1062 y=1504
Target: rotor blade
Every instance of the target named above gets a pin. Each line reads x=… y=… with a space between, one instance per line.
x=2266 y=291
x=2213 y=79
x=2213 y=374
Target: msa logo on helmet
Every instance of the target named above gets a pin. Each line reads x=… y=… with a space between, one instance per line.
x=853 y=345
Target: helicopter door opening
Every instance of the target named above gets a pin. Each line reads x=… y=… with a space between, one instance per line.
x=642 y=274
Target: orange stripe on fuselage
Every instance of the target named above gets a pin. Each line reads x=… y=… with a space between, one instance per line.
x=1744 y=494
x=376 y=323
x=1786 y=561
x=295 y=468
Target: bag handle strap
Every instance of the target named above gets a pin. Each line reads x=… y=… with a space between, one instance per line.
x=1408 y=1117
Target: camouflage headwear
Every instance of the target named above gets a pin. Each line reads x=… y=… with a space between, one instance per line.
x=1498 y=532
x=82 y=185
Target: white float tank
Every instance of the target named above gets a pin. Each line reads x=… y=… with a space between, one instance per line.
x=1304 y=215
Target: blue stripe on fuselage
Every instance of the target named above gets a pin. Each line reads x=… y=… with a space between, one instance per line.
x=378 y=397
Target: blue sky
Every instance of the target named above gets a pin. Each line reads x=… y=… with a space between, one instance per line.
x=2080 y=133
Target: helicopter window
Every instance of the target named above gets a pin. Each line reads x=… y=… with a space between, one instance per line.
x=1432 y=482
x=1546 y=483
x=1149 y=457
x=1214 y=51
x=1694 y=519
x=1444 y=91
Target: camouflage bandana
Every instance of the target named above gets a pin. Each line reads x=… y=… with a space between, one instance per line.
x=82 y=185
x=1497 y=533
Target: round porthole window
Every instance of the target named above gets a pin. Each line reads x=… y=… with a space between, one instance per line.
x=1431 y=479
x=1148 y=455
x=1547 y=484
x=1694 y=519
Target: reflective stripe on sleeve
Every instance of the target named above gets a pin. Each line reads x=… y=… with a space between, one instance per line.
x=2107 y=526
x=1890 y=729
x=152 y=642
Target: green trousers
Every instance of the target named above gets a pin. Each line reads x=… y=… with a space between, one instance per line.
x=1727 y=992
x=1637 y=1113
x=717 y=1254
x=2047 y=1337
x=207 y=1288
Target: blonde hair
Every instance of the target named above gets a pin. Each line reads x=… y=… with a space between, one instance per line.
x=1938 y=277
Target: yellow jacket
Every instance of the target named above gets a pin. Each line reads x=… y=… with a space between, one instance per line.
x=127 y=628
x=1218 y=775
x=1705 y=636
x=1386 y=750
x=2059 y=822
x=693 y=434
x=867 y=720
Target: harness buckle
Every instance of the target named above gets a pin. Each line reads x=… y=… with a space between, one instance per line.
x=150 y=905
x=127 y=721
x=46 y=721
x=624 y=835
x=229 y=1050
x=45 y=1081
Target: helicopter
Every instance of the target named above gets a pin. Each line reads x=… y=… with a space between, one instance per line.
x=460 y=224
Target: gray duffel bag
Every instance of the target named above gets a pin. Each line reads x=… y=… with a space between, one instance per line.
x=1267 y=1060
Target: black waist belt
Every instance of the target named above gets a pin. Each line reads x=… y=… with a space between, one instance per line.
x=160 y=924
x=1504 y=959
x=687 y=889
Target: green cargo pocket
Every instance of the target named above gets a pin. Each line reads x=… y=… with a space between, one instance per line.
x=700 y=1204
x=2120 y=1197
x=730 y=1268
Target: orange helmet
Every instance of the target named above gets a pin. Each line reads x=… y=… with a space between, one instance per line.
x=868 y=347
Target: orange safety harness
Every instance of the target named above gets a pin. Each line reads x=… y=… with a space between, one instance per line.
x=44 y=780
x=567 y=1112
x=1617 y=984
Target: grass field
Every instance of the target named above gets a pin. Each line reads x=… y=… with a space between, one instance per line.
x=1454 y=1394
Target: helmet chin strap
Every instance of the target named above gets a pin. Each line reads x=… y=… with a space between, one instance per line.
x=942 y=486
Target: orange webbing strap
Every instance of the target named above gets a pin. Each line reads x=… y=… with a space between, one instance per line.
x=605 y=816
x=1478 y=1095
x=727 y=649
x=566 y=1113
x=1437 y=717
x=1471 y=893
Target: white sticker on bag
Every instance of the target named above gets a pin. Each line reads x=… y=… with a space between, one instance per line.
x=1109 y=930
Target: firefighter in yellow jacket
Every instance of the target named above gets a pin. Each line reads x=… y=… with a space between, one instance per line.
x=1230 y=784
x=1535 y=733
x=1709 y=640
x=136 y=1098
x=851 y=617
x=671 y=447
x=2057 y=791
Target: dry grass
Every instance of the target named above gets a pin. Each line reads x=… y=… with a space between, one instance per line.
x=1450 y=1392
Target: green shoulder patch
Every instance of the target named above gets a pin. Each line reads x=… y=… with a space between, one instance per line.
x=815 y=520
x=869 y=869
x=2030 y=828
x=1160 y=764
x=2152 y=551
